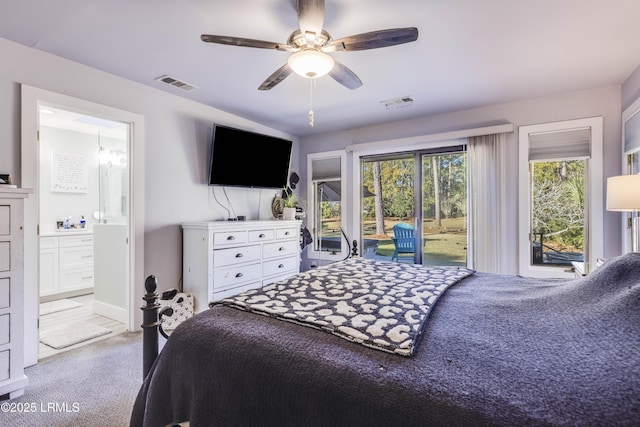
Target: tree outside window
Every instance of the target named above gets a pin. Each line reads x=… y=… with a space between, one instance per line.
x=558 y=211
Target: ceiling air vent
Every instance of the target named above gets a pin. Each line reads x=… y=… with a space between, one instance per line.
x=176 y=83
x=402 y=102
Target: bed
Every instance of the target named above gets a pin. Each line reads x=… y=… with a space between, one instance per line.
x=490 y=350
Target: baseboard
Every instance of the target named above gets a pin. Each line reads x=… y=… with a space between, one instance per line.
x=69 y=294
x=118 y=314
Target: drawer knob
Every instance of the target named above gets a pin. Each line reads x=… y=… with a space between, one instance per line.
x=281 y=249
x=239 y=255
x=231 y=237
x=286 y=233
x=262 y=236
x=238 y=275
x=281 y=266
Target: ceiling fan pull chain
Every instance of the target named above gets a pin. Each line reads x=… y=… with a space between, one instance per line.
x=311 y=115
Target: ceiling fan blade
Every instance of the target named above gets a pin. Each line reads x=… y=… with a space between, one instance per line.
x=239 y=41
x=310 y=18
x=374 y=39
x=345 y=76
x=279 y=75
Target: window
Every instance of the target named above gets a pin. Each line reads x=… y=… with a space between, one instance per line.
x=326 y=192
x=327 y=202
x=560 y=196
x=558 y=212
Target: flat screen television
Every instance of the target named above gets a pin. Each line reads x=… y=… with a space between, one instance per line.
x=248 y=159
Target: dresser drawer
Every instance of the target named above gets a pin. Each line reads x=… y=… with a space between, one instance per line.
x=287 y=233
x=223 y=238
x=261 y=235
x=77 y=278
x=231 y=256
x=234 y=275
x=280 y=266
x=229 y=292
x=83 y=240
x=5 y=300
x=5 y=220
x=4 y=329
x=78 y=256
x=5 y=256
x=4 y=365
x=273 y=279
x=278 y=249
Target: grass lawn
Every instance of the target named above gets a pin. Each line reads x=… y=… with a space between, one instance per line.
x=444 y=245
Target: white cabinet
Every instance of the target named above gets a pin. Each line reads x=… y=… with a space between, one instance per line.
x=76 y=262
x=220 y=259
x=12 y=378
x=66 y=264
x=48 y=266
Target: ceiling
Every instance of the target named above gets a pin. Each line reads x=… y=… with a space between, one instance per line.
x=469 y=53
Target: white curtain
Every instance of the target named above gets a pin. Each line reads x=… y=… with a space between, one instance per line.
x=487 y=234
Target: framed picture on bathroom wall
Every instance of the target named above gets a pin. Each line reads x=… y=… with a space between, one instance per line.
x=69 y=172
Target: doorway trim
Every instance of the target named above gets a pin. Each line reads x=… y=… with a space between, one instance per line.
x=31 y=99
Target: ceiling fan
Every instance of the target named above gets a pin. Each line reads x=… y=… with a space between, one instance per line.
x=310 y=45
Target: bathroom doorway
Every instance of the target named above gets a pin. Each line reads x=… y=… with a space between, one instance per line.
x=83 y=228
x=75 y=176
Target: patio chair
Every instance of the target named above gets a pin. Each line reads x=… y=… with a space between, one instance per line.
x=404 y=240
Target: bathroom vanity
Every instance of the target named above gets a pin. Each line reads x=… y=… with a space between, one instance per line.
x=66 y=264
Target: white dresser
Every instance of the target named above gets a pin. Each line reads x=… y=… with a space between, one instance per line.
x=12 y=378
x=66 y=264
x=222 y=258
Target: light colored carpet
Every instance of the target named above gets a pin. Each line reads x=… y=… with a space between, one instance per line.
x=57 y=305
x=94 y=385
x=72 y=333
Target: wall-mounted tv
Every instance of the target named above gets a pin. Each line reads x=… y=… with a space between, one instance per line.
x=248 y=159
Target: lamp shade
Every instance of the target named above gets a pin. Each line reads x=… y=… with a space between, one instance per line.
x=623 y=193
x=311 y=63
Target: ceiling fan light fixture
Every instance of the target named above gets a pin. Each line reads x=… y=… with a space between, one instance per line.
x=311 y=63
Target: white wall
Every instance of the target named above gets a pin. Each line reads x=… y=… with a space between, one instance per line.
x=597 y=102
x=178 y=134
x=55 y=205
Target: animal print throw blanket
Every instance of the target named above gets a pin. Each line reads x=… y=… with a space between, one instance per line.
x=378 y=304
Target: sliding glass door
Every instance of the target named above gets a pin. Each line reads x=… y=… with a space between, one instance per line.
x=427 y=226
x=444 y=208
x=388 y=201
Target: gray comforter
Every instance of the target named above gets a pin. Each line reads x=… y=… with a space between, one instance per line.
x=497 y=350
